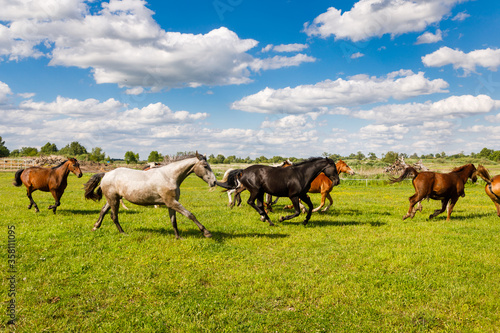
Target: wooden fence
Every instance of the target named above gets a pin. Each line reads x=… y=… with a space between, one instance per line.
x=13 y=164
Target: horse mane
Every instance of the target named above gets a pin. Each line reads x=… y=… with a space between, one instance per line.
x=309 y=160
x=59 y=165
x=460 y=168
x=181 y=158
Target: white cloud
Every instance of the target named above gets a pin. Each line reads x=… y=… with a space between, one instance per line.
x=295 y=47
x=123 y=44
x=460 y=16
x=488 y=58
x=428 y=37
x=357 y=90
x=418 y=113
x=375 y=18
x=357 y=55
x=4 y=91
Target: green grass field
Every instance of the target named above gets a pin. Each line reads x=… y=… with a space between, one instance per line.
x=356 y=268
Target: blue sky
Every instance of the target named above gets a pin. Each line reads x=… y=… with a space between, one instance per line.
x=251 y=78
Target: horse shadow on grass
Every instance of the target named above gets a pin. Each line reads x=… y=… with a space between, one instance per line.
x=217 y=236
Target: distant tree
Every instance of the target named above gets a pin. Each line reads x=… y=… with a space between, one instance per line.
x=130 y=157
x=390 y=157
x=49 y=149
x=73 y=149
x=219 y=159
x=15 y=153
x=372 y=156
x=4 y=151
x=414 y=155
x=360 y=156
x=97 y=154
x=485 y=153
x=28 y=151
x=154 y=156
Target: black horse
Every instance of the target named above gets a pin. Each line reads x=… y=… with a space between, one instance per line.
x=292 y=182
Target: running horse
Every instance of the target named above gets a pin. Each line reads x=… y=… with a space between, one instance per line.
x=447 y=187
x=53 y=180
x=492 y=186
x=322 y=184
x=157 y=186
x=292 y=182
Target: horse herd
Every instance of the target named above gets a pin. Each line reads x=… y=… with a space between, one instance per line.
x=161 y=186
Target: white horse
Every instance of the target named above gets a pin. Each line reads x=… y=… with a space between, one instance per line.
x=157 y=186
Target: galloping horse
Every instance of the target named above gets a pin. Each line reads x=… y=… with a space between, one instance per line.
x=322 y=184
x=157 y=186
x=447 y=187
x=53 y=180
x=492 y=186
x=292 y=182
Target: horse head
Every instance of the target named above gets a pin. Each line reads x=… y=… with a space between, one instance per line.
x=74 y=167
x=202 y=169
x=331 y=172
x=473 y=173
x=343 y=167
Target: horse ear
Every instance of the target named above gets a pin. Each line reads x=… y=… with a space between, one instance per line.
x=197 y=155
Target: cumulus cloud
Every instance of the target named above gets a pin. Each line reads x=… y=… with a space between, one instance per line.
x=428 y=37
x=418 y=113
x=375 y=18
x=4 y=91
x=488 y=58
x=357 y=90
x=123 y=44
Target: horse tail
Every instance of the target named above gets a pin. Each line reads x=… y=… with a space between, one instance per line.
x=483 y=173
x=17 y=178
x=231 y=179
x=91 y=185
x=407 y=173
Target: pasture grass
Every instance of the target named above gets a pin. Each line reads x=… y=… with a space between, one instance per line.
x=355 y=268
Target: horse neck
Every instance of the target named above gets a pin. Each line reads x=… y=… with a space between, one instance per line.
x=182 y=169
x=311 y=171
x=62 y=172
x=465 y=173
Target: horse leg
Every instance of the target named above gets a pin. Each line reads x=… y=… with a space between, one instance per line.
x=104 y=211
x=32 y=202
x=57 y=196
x=115 y=206
x=497 y=205
x=177 y=207
x=259 y=208
x=123 y=204
x=414 y=199
x=444 y=203
x=268 y=203
x=308 y=201
x=451 y=204
x=323 y=197
x=173 y=219
x=296 y=206
x=329 y=197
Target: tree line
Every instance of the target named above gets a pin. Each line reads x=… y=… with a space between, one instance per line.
x=77 y=150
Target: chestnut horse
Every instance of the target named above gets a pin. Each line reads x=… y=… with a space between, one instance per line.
x=447 y=187
x=322 y=184
x=53 y=180
x=492 y=186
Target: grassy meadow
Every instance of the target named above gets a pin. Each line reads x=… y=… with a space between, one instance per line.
x=355 y=268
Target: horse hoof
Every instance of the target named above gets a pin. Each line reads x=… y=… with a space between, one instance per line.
x=207 y=234
x=282 y=219
x=271 y=224
x=305 y=222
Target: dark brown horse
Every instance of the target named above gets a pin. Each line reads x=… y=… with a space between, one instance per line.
x=492 y=187
x=447 y=187
x=53 y=180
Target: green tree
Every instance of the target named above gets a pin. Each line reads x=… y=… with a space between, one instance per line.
x=372 y=156
x=4 y=151
x=29 y=151
x=390 y=157
x=73 y=149
x=154 y=156
x=49 y=149
x=130 y=157
x=97 y=154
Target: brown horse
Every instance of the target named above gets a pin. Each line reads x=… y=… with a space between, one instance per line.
x=53 y=180
x=322 y=184
x=492 y=186
x=447 y=187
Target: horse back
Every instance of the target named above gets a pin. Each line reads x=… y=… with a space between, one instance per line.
x=271 y=180
x=320 y=184
x=438 y=185
x=37 y=178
